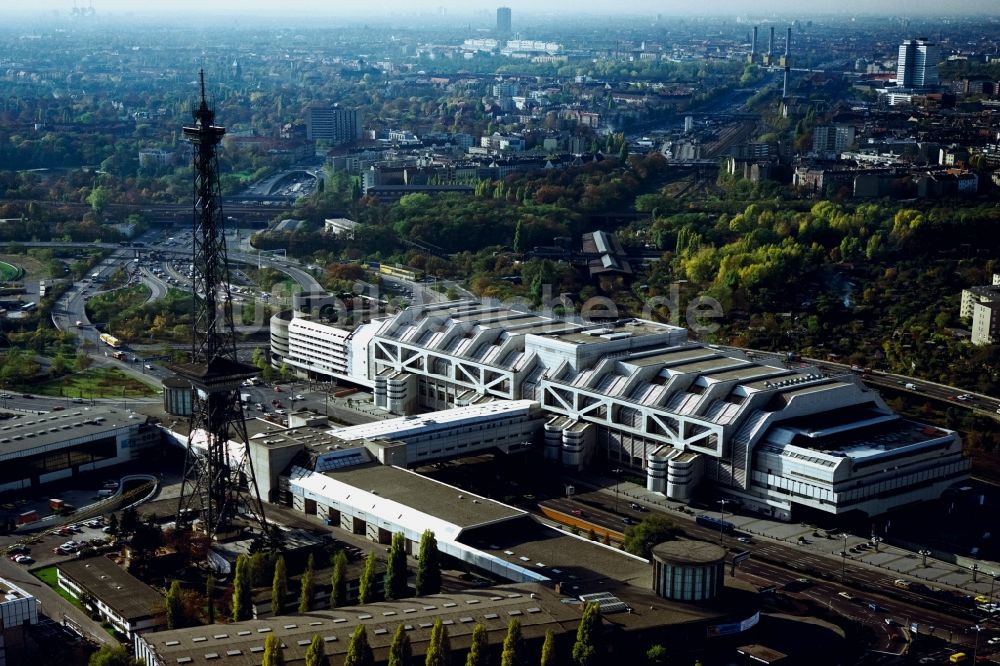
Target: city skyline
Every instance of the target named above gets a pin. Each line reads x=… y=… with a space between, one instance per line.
x=458 y=7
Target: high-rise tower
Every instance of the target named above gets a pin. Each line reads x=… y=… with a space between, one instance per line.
x=218 y=476
x=918 y=64
x=503 y=20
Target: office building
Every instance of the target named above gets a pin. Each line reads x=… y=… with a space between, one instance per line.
x=639 y=395
x=337 y=125
x=18 y=609
x=503 y=20
x=917 y=66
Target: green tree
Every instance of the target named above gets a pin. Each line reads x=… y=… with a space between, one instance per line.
x=395 y=573
x=585 y=647
x=273 y=654
x=479 y=651
x=307 y=587
x=513 y=645
x=359 y=652
x=279 y=586
x=366 y=586
x=623 y=153
x=518 y=237
x=654 y=529
x=549 y=649
x=338 y=580
x=113 y=655
x=428 y=566
x=400 y=651
x=656 y=654
x=242 y=598
x=174 y=609
x=210 y=598
x=439 y=647
x=315 y=653
x=99 y=198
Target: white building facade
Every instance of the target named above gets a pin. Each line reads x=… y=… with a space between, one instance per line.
x=639 y=395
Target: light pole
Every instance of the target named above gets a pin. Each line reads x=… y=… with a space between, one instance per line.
x=843 y=558
x=876 y=540
x=975 y=648
x=722 y=517
x=616 y=471
x=975 y=570
x=924 y=553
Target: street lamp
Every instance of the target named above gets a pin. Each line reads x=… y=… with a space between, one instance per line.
x=924 y=553
x=722 y=517
x=876 y=540
x=616 y=471
x=843 y=558
x=975 y=570
x=975 y=649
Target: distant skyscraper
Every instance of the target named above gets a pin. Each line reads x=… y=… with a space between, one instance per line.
x=503 y=20
x=918 y=61
x=333 y=123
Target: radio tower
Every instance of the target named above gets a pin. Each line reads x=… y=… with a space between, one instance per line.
x=218 y=478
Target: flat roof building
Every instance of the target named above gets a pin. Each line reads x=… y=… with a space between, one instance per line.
x=36 y=449
x=18 y=608
x=538 y=608
x=128 y=604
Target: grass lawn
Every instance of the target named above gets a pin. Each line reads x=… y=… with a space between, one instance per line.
x=33 y=268
x=48 y=576
x=97 y=383
x=8 y=271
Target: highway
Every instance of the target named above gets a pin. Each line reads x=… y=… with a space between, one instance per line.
x=977 y=402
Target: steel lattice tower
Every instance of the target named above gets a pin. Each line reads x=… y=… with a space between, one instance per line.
x=218 y=479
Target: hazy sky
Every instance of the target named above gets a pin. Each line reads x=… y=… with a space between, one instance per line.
x=464 y=7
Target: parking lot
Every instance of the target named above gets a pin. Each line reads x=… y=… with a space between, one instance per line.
x=58 y=545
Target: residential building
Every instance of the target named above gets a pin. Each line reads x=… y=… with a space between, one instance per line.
x=986 y=323
x=339 y=225
x=124 y=601
x=154 y=158
x=832 y=139
x=917 y=65
x=982 y=305
x=332 y=123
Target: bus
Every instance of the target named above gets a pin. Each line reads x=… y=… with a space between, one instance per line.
x=111 y=340
x=715 y=523
x=403 y=272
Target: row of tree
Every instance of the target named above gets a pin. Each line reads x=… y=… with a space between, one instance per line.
x=251 y=570
x=514 y=651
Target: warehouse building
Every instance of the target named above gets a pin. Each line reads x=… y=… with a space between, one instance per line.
x=39 y=449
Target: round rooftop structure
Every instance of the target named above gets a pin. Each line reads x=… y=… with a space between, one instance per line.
x=688 y=570
x=178 y=396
